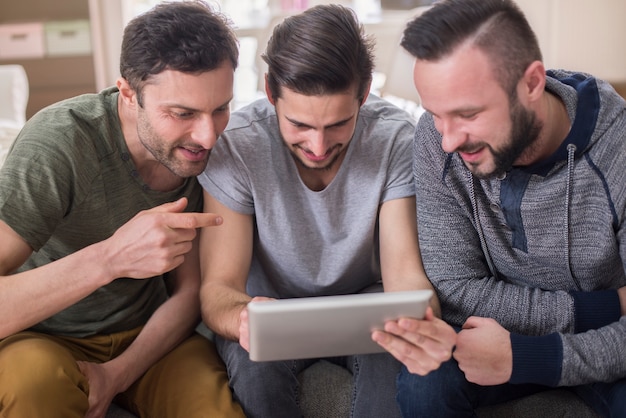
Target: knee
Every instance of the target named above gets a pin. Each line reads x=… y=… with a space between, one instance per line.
x=617 y=399
x=274 y=374
x=243 y=370
x=443 y=392
x=36 y=368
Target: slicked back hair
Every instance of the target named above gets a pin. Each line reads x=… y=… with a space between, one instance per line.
x=323 y=50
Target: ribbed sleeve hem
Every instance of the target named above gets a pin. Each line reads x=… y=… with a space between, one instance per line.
x=594 y=310
x=537 y=359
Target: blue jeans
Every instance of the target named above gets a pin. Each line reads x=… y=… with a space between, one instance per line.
x=270 y=389
x=446 y=393
x=607 y=399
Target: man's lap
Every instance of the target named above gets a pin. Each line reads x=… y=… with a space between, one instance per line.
x=447 y=392
x=191 y=376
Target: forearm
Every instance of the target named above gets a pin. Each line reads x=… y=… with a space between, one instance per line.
x=171 y=324
x=594 y=310
x=221 y=309
x=54 y=287
x=401 y=262
x=571 y=359
x=418 y=282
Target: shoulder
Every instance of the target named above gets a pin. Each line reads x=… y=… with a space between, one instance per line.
x=75 y=127
x=257 y=114
x=383 y=113
x=249 y=135
x=384 y=126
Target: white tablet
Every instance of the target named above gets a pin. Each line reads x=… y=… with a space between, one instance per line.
x=327 y=326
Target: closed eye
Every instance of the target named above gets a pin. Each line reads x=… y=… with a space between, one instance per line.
x=182 y=114
x=469 y=116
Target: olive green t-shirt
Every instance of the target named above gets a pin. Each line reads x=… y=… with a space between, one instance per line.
x=68 y=182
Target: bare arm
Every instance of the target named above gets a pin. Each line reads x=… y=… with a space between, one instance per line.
x=400 y=259
x=422 y=345
x=170 y=324
x=225 y=257
x=151 y=243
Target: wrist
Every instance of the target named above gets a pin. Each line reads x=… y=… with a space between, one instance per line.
x=119 y=374
x=621 y=292
x=102 y=266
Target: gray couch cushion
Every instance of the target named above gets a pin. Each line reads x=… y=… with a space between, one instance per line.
x=326 y=392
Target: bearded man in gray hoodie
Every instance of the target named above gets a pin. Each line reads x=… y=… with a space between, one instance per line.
x=521 y=202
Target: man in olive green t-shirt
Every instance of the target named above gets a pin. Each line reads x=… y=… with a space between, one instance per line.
x=99 y=207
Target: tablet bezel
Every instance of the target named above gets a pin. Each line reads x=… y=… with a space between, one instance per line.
x=327 y=326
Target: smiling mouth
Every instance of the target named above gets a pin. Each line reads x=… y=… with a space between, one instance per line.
x=471 y=156
x=317 y=158
x=195 y=154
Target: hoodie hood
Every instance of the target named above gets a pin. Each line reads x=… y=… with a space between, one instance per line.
x=581 y=94
x=592 y=106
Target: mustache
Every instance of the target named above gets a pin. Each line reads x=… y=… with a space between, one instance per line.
x=471 y=148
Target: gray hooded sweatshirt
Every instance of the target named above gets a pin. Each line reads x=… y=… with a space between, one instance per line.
x=542 y=249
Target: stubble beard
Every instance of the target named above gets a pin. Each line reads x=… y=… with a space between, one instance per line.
x=165 y=155
x=525 y=129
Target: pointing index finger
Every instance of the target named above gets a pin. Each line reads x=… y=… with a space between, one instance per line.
x=192 y=220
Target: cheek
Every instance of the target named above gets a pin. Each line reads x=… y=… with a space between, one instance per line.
x=336 y=138
x=290 y=134
x=220 y=122
x=493 y=130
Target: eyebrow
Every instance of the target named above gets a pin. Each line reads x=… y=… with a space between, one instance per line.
x=191 y=109
x=332 y=125
x=459 y=111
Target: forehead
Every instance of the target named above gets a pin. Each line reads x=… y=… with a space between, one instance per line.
x=317 y=109
x=195 y=91
x=461 y=79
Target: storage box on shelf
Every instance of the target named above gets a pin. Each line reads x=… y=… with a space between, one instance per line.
x=64 y=38
x=21 y=40
x=62 y=64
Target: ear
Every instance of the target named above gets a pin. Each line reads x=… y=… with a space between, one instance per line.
x=268 y=92
x=128 y=95
x=533 y=82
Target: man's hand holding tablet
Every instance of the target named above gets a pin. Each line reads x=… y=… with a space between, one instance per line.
x=326 y=326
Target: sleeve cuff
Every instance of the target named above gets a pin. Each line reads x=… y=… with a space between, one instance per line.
x=537 y=359
x=594 y=310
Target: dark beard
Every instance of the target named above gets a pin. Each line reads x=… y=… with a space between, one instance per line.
x=525 y=130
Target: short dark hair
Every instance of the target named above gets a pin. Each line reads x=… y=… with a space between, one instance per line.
x=323 y=50
x=187 y=36
x=498 y=27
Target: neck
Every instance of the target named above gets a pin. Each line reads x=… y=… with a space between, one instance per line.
x=561 y=123
x=556 y=125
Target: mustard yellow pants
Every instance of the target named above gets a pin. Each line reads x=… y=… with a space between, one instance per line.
x=39 y=378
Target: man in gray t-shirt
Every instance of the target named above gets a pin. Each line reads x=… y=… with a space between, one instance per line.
x=314 y=184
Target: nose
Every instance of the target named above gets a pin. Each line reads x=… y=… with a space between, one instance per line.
x=204 y=132
x=317 y=143
x=452 y=136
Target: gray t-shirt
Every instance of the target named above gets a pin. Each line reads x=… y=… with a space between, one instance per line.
x=309 y=243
